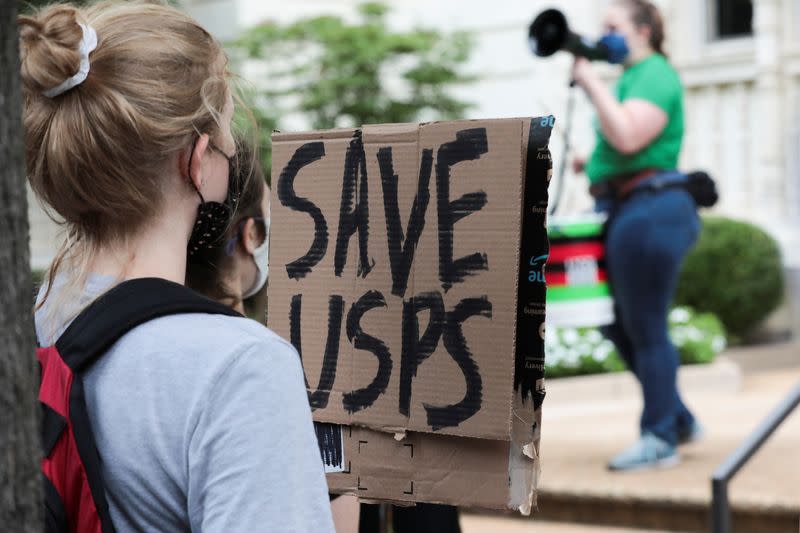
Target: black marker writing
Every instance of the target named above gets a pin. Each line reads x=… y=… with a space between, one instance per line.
x=469 y=145
x=416 y=349
x=354 y=218
x=401 y=250
x=305 y=155
x=456 y=344
x=319 y=398
x=363 y=398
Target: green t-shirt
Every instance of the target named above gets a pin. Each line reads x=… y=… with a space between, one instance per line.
x=655 y=80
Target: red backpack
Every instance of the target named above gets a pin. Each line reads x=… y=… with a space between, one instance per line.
x=75 y=499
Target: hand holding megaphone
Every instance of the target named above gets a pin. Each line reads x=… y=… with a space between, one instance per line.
x=549 y=33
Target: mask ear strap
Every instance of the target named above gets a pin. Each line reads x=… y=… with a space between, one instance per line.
x=189 y=171
x=231 y=244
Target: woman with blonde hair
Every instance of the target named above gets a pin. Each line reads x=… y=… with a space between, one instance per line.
x=200 y=420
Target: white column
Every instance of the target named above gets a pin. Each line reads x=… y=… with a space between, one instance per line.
x=770 y=133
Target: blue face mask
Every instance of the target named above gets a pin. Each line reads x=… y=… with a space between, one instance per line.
x=616 y=46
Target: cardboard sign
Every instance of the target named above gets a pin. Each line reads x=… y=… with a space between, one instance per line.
x=407 y=270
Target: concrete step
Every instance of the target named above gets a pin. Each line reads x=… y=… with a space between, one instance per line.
x=582 y=429
x=767 y=357
x=661 y=514
x=500 y=523
x=565 y=395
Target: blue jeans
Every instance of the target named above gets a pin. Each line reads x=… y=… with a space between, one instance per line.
x=647 y=237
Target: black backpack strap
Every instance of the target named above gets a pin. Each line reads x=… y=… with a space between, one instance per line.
x=121 y=309
x=90 y=335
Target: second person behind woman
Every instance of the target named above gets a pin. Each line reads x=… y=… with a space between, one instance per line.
x=235 y=271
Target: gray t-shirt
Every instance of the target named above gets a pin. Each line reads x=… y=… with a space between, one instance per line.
x=202 y=424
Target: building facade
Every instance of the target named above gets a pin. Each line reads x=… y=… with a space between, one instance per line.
x=739 y=60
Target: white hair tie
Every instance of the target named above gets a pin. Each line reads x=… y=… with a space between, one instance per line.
x=88 y=44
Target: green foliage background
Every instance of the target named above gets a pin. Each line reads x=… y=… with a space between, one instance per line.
x=345 y=74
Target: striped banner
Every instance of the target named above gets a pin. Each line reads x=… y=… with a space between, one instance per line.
x=565 y=293
x=555 y=278
x=560 y=253
x=593 y=227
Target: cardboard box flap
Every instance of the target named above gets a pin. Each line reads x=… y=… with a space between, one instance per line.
x=335 y=133
x=424 y=467
x=390 y=133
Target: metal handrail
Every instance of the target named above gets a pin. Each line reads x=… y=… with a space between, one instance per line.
x=720 y=506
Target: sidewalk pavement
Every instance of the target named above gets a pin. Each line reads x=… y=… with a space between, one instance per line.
x=471 y=523
x=578 y=441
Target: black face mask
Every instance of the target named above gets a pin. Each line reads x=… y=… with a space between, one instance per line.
x=213 y=218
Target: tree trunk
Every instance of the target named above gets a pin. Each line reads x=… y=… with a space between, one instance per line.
x=20 y=504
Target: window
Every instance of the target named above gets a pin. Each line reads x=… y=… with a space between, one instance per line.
x=731 y=18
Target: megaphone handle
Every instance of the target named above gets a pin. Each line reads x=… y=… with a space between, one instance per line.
x=567 y=148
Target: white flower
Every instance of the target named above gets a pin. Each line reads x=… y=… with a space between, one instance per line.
x=594 y=336
x=694 y=334
x=555 y=356
x=572 y=359
x=551 y=336
x=678 y=336
x=569 y=336
x=584 y=348
x=601 y=353
x=718 y=343
x=680 y=315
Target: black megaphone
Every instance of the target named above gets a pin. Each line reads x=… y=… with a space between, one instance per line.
x=549 y=33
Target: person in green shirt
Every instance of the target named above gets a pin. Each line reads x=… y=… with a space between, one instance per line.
x=651 y=226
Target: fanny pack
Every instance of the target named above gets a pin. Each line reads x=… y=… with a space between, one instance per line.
x=702 y=188
x=699 y=184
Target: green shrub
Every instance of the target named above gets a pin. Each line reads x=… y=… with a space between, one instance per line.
x=699 y=337
x=578 y=351
x=735 y=272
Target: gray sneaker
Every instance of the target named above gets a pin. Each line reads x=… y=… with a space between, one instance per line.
x=648 y=452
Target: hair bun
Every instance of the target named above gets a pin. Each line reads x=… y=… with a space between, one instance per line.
x=49 y=47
